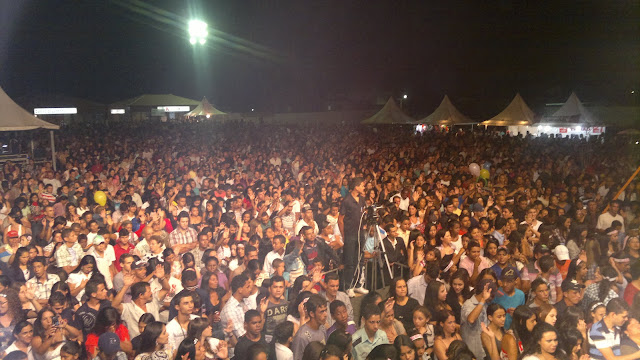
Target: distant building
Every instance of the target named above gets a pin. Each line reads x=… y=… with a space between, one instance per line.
x=164 y=107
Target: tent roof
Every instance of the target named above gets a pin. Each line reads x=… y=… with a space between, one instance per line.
x=155 y=100
x=571 y=112
x=446 y=114
x=389 y=114
x=15 y=118
x=517 y=113
x=204 y=108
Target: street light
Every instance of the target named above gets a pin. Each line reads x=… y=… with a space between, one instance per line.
x=198 y=32
x=404 y=97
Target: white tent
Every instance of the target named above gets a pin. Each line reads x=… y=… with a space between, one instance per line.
x=15 y=118
x=516 y=114
x=446 y=114
x=204 y=109
x=570 y=113
x=389 y=114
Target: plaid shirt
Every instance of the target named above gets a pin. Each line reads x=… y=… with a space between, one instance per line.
x=69 y=256
x=234 y=311
x=42 y=290
x=178 y=237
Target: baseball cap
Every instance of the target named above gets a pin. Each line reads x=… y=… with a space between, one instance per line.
x=509 y=274
x=571 y=284
x=98 y=239
x=477 y=207
x=561 y=252
x=12 y=234
x=109 y=343
x=138 y=264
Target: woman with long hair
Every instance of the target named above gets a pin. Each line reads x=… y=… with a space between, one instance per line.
x=592 y=250
x=547 y=313
x=632 y=248
x=430 y=232
x=493 y=334
x=572 y=342
x=417 y=250
x=459 y=291
x=572 y=318
x=514 y=341
x=108 y=320
x=388 y=323
x=49 y=334
x=81 y=275
x=578 y=271
x=414 y=217
x=295 y=311
x=602 y=290
x=404 y=347
x=543 y=345
x=22 y=334
x=435 y=296
x=403 y=305
x=154 y=340
x=21 y=270
x=63 y=288
x=446 y=331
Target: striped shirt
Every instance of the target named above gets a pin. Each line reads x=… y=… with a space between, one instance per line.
x=601 y=337
x=187 y=237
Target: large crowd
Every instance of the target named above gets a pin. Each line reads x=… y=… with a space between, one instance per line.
x=247 y=241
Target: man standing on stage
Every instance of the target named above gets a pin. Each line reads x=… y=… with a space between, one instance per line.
x=349 y=223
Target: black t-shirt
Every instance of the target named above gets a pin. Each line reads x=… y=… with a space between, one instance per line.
x=404 y=313
x=352 y=211
x=86 y=316
x=241 y=351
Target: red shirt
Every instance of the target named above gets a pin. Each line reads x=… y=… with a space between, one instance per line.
x=119 y=250
x=92 y=339
x=629 y=293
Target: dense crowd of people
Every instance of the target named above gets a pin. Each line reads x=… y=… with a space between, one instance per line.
x=247 y=241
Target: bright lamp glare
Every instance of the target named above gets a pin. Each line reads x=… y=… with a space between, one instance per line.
x=198 y=32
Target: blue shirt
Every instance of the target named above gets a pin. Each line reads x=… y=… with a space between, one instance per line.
x=508 y=302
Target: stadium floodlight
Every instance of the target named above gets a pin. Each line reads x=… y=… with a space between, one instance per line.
x=198 y=32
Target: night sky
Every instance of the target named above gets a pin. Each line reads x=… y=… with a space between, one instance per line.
x=302 y=55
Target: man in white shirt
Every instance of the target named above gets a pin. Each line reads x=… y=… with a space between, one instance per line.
x=105 y=256
x=277 y=253
x=605 y=219
x=178 y=326
x=142 y=300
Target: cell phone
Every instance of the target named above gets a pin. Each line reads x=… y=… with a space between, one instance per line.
x=56 y=321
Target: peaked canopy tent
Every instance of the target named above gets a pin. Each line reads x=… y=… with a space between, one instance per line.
x=15 y=118
x=204 y=109
x=517 y=117
x=446 y=114
x=389 y=114
x=572 y=118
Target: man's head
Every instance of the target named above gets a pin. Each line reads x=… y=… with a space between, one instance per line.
x=189 y=279
x=572 y=291
x=614 y=208
x=39 y=264
x=123 y=237
x=617 y=311
x=241 y=286
x=508 y=279
x=332 y=283
x=316 y=308
x=125 y=261
x=184 y=302
x=141 y=290
x=69 y=236
x=371 y=318
x=474 y=250
x=253 y=322
x=108 y=346
x=308 y=234
x=183 y=220
x=96 y=290
x=276 y=287
x=339 y=312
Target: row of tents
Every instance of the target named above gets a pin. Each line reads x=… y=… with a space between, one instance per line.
x=517 y=113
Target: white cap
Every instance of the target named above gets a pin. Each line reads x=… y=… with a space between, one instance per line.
x=561 y=252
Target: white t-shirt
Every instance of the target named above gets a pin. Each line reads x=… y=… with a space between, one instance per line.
x=176 y=332
x=76 y=279
x=131 y=314
x=104 y=263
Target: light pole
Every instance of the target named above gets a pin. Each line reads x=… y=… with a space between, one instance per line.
x=402 y=99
